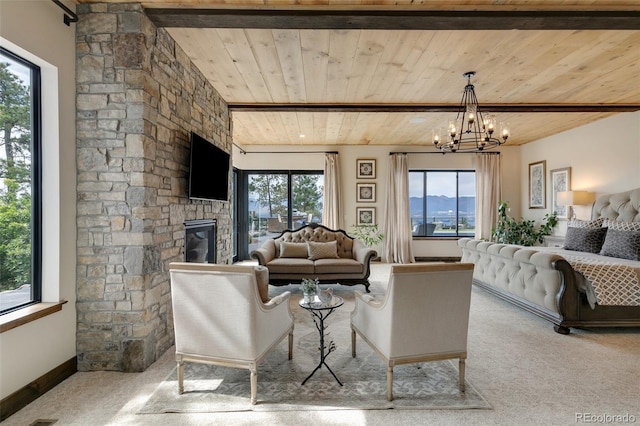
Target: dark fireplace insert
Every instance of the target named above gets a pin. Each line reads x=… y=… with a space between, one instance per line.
x=200 y=241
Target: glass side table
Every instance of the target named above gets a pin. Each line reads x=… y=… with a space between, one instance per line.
x=320 y=311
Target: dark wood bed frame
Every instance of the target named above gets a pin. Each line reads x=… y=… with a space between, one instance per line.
x=574 y=309
x=573 y=306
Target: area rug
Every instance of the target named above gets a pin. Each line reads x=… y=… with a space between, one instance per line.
x=432 y=385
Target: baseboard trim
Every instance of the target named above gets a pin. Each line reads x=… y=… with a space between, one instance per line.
x=29 y=393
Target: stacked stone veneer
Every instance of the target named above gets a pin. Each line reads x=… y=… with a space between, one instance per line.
x=138 y=97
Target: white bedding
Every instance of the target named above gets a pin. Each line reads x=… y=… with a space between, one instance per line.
x=610 y=281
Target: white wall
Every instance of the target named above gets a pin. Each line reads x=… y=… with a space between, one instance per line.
x=604 y=157
x=287 y=157
x=35 y=30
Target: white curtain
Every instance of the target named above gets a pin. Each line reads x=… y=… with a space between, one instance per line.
x=488 y=193
x=332 y=210
x=397 y=247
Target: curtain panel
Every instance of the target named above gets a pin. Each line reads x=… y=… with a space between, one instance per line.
x=398 y=244
x=332 y=211
x=488 y=193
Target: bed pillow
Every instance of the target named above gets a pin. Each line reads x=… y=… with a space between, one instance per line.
x=577 y=223
x=293 y=249
x=322 y=250
x=622 y=244
x=621 y=226
x=585 y=239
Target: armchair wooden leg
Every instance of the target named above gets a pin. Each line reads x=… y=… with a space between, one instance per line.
x=254 y=384
x=180 y=377
x=353 y=343
x=461 y=367
x=291 y=345
x=390 y=382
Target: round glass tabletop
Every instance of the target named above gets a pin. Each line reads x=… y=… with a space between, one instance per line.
x=318 y=304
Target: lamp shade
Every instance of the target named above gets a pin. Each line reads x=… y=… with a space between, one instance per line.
x=575 y=198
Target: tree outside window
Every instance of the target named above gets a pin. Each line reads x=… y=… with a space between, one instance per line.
x=17 y=119
x=279 y=200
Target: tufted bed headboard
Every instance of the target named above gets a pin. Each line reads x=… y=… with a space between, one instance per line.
x=622 y=206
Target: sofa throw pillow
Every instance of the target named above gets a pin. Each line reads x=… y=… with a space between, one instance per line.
x=293 y=250
x=322 y=250
x=585 y=239
x=622 y=244
x=577 y=223
x=262 y=278
x=621 y=226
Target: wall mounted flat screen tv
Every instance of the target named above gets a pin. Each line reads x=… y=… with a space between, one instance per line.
x=208 y=170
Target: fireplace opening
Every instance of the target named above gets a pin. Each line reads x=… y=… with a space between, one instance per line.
x=200 y=241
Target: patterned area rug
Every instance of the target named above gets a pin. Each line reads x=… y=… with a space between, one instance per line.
x=432 y=385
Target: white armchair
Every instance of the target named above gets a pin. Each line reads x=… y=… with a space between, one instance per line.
x=220 y=319
x=423 y=316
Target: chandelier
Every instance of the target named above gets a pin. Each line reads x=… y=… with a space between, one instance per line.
x=471 y=130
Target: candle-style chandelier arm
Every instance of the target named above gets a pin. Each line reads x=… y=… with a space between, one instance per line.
x=471 y=130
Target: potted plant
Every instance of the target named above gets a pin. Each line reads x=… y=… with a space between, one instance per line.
x=310 y=288
x=522 y=232
x=370 y=235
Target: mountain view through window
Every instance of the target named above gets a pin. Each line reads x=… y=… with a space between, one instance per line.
x=442 y=203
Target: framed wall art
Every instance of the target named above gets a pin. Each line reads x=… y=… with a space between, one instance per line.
x=560 y=181
x=366 y=192
x=366 y=169
x=366 y=215
x=537 y=185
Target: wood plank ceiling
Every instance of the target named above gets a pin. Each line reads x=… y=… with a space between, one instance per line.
x=292 y=83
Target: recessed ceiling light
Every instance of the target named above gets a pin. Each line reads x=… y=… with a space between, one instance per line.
x=302 y=136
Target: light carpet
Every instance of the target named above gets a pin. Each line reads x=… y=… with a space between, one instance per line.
x=432 y=385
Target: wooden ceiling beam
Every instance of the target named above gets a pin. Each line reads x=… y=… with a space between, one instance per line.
x=409 y=108
x=360 y=19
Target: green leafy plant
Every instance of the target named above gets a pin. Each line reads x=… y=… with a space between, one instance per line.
x=309 y=285
x=370 y=235
x=522 y=232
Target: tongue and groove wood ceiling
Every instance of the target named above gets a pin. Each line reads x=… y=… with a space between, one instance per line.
x=388 y=72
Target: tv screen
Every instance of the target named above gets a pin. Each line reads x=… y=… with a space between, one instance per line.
x=208 y=171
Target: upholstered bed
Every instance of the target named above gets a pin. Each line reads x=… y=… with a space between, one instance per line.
x=595 y=284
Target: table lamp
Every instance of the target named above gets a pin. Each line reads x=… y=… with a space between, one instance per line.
x=574 y=198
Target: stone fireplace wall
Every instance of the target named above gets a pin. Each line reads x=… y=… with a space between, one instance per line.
x=138 y=97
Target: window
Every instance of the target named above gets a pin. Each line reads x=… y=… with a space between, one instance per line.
x=442 y=203
x=234 y=214
x=279 y=200
x=20 y=169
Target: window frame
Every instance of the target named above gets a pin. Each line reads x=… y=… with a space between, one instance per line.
x=235 y=205
x=424 y=202
x=242 y=198
x=36 y=181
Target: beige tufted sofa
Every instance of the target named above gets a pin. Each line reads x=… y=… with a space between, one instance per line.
x=315 y=251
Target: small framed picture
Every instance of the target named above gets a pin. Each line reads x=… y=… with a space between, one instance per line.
x=366 y=215
x=560 y=181
x=366 y=192
x=366 y=169
x=537 y=186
